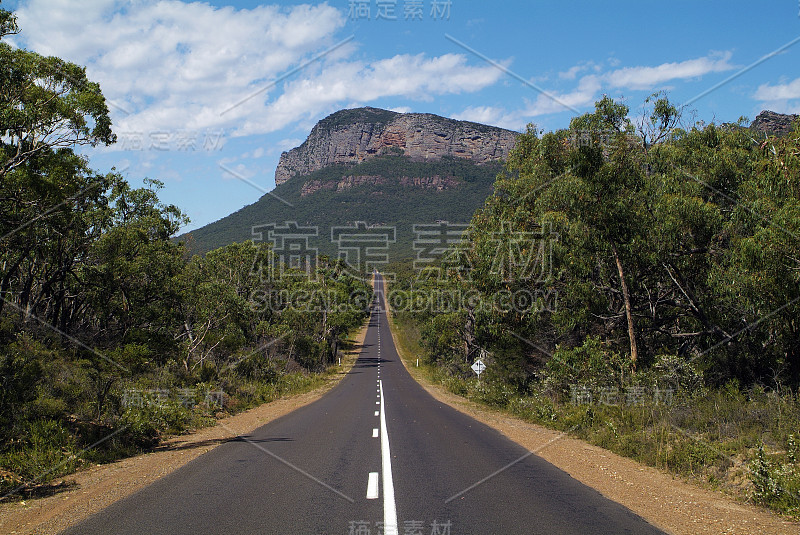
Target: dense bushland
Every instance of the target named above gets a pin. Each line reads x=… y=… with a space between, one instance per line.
x=634 y=279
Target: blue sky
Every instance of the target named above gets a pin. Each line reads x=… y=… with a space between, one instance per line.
x=205 y=95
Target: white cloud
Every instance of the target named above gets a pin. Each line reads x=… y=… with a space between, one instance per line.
x=410 y=76
x=480 y=114
x=572 y=72
x=401 y=109
x=492 y=116
x=240 y=171
x=581 y=97
x=228 y=160
x=590 y=86
x=167 y=65
x=288 y=144
x=780 y=98
x=649 y=77
x=766 y=92
x=585 y=94
x=254 y=154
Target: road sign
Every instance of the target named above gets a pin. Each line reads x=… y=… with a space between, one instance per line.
x=478 y=367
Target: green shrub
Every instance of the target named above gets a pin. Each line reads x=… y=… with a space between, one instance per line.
x=492 y=392
x=146 y=424
x=591 y=365
x=672 y=371
x=46 y=450
x=776 y=483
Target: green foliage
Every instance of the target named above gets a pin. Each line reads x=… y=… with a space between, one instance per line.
x=388 y=203
x=713 y=435
x=670 y=243
x=776 y=483
x=146 y=425
x=21 y=366
x=44 y=450
x=45 y=102
x=589 y=366
x=111 y=336
x=668 y=261
x=8 y=23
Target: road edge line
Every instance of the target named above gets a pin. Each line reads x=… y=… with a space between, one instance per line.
x=389 y=505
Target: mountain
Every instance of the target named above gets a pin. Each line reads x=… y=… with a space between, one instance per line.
x=353 y=136
x=773 y=124
x=386 y=170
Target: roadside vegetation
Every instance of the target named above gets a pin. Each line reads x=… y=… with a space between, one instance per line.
x=637 y=285
x=111 y=336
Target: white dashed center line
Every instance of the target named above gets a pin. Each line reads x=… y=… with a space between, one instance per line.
x=372 y=486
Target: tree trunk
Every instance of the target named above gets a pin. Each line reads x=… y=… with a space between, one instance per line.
x=189 y=349
x=469 y=334
x=627 y=298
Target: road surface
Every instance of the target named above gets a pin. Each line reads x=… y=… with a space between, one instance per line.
x=376 y=455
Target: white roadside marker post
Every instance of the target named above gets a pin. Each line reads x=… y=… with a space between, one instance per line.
x=478 y=368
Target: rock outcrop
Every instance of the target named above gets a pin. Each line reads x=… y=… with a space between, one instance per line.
x=439 y=183
x=435 y=182
x=348 y=182
x=352 y=136
x=773 y=124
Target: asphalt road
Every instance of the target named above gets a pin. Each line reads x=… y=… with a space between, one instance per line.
x=376 y=455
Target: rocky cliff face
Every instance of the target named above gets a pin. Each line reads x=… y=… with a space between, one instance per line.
x=352 y=136
x=435 y=182
x=774 y=124
x=346 y=182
